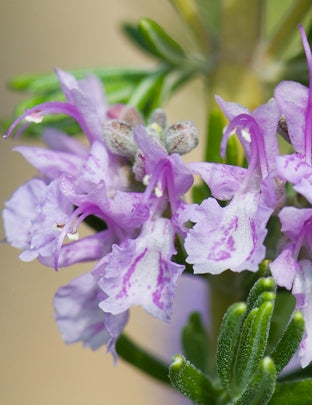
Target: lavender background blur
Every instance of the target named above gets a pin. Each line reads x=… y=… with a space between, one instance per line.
x=36 y=366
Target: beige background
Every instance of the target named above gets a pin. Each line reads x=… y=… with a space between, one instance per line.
x=36 y=367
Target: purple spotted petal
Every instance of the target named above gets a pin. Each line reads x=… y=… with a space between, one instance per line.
x=17 y=217
x=44 y=211
x=230 y=237
x=79 y=317
x=140 y=272
x=294 y=169
x=292 y=99
x=302 y=290
x=51 y=163
x=284 y=268
x=293 y=220
x=223 y=180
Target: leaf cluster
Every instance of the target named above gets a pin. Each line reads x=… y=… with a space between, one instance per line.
x=257 y=340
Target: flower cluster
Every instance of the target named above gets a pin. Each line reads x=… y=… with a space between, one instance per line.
x=131 y=181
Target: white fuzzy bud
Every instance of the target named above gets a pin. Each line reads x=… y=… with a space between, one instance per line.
x=181 y=137
x=118 y=137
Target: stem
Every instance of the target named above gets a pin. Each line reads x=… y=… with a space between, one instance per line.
x=141 y=359
x=287 y=27
x=225 y=289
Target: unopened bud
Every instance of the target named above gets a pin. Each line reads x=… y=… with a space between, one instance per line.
x=159 y=117
x=118 y=137
x=181 y=137
x=125 y=113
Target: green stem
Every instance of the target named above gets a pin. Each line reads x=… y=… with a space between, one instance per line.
x=225 y=289
x=293 y=17
x=141 y=359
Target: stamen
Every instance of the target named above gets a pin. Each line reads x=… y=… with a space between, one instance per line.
x=246 y=135
x=72 y=236
x=146 y=179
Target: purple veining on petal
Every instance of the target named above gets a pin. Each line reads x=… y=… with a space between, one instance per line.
x=126 y=284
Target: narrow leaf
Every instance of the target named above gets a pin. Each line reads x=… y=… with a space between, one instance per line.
x=294 y=393
x=228 y=342
x=262 y=285
x=195 y=342
x=289 y=342
x=160 y=43
x=253 y=342
x=191 y=382
x=260 y=390
x=283 y=309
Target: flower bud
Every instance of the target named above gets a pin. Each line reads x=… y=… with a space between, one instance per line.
x=181 y=137
x=159 y=117
x=118 y=137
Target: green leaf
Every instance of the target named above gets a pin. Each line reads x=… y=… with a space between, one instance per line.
x=260 y=389
x=141 y=359
x=44 y=84
x=263 y=284
x=195 y=342
x=283 y=309
x=146 y=95
x=289 y=342
x=253 y=342
x=228 y=341
x=191 y=382
x=160 y=43
x=134 y=34
x=294 y=393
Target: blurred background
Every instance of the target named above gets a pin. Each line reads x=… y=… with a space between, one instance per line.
x=37 y=367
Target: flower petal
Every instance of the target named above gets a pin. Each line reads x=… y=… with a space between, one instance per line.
x=140 y=272
x=223 y=180
x=51 y=163
x=302 y=290
x=228 y=237
x=292 y=99
x=284 y=268
x=79 y=317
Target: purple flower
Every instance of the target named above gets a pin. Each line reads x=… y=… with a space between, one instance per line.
x=140 y=272
x=232 y=236
x=34 y=225
x=84 y=102
x=79 y=317
x=292 y=267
